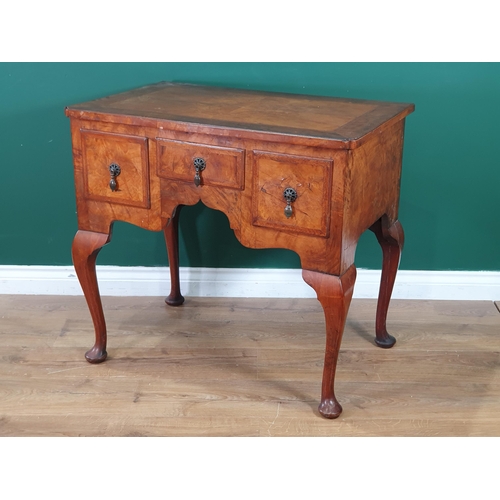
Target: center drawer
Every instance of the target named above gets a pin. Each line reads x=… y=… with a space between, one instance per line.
x=213 y=165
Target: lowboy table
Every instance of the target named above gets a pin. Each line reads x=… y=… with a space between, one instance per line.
x=306 y=173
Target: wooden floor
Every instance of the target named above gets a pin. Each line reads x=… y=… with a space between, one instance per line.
x=245 y=367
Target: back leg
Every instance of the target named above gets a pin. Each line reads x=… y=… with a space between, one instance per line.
x=391 y=239
x=171 y=233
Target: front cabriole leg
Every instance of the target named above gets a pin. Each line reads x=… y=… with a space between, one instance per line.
x=86 y=246
x=334 y=294
x=391 y=239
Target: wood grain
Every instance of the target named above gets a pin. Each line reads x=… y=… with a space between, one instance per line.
x=130 y=153
x=178 y=106
x=85 y=249
x=391 y=239
x=224 y=166
x=253 y=145
x=246 y=367
x=171 y=233
x=311 y=178
x=99 y=213
x=335 y=295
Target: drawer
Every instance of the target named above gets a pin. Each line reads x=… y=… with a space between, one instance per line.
x=126 y=156
x=309 y=178
x=221 y=167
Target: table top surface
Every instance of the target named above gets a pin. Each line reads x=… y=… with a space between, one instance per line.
x=290 y=114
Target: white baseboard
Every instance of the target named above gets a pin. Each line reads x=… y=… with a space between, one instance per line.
x=209 y=282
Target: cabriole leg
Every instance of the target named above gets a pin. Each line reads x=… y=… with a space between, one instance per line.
x=171 y=232
x=86 y=246
x=334 y=294
x=391 y=239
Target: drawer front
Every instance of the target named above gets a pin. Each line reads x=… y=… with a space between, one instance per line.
x=130 y=154
x=309 y=178
x=223 y=167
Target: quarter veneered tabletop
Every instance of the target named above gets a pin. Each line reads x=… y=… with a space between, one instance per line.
x=294 y=114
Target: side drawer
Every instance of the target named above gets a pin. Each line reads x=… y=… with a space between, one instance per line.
x=311 y=180
x=223 y=167
x=100 y=150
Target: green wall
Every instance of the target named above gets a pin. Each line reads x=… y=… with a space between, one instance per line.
x=451 y=172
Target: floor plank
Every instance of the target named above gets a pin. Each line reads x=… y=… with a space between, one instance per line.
x=246 y=367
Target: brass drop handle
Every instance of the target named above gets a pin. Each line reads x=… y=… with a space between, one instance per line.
x=290 y=196
x=200 y=165
x=114 y=170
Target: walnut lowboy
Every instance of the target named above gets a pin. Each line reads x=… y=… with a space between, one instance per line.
x=305 y=173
